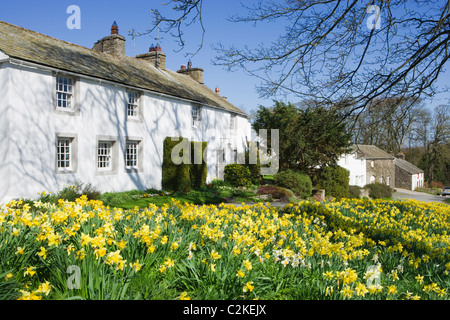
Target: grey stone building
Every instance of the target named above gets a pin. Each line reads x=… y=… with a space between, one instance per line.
x=379 y=164
x=407 y=175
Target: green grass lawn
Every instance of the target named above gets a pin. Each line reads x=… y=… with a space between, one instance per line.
x=142 y=199
x=447 y=200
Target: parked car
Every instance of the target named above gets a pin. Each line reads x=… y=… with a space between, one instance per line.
x=445 y=191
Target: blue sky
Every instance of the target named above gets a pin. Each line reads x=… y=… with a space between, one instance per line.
x=50 y=18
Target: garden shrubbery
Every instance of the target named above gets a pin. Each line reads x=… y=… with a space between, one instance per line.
x=295 y=181
x=275 y=192
x=335 y=181
x=379 y=191
x=354 y=192
x=237 y=175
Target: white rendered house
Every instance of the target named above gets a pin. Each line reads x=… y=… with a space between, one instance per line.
x=368 y=164
x=357 y=168
x=70 y=113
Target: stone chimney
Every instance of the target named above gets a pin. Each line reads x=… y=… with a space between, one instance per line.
x=114 y=44
x=155 y=56
x=194 y=73
x=401 y=156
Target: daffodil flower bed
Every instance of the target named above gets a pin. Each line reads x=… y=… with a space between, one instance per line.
x=353 y=249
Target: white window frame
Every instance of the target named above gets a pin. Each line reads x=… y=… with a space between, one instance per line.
x=67 y=159
x=196 y=115
x=64 y=93
x=233 y=123
x=134 y=161
x=64 y=157
x=104 y=155
x=133 y=105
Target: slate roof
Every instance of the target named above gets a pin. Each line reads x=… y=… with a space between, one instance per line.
x=371 y=152
x=408 y=167
x=37 y=48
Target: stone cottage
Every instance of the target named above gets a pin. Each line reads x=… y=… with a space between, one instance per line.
x=407 y=175
x=368 y=164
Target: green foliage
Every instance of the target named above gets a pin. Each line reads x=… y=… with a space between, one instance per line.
x=191 y=172
x=255 y=168
x=176 y=177
x=71 y=193
x=199 y=168
x=308 y=137
x=335 y=181
x=298 y=182
x=354 y=192
x=237 y=175
x=379 y=191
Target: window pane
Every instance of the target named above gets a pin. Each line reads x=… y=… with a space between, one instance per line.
x=132 y=105
x=104 y=155
x=64 y=92
x=63 y=153
x=131 y=155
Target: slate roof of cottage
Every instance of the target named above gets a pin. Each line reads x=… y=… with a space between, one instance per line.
x=408 y=167
x=371 y=152
x=30 y=46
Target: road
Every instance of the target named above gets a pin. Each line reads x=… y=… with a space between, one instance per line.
x=421 y=196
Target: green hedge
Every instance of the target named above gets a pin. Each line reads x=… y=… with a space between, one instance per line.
x=199 y=168
x=191 y=173
x=175 y=177
x=255 y=168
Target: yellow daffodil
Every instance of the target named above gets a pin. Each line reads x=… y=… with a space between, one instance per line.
x=248 y=265
x=184 y=296
x=248 y=287
x=215 y=255
x=392 y=289
x=29 y=271
x=240 y=273
x=42 y=253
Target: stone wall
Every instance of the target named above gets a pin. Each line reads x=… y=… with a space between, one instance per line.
x=403 y=178
x=383 y=169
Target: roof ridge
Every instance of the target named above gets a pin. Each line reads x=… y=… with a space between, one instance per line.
x=46 y=36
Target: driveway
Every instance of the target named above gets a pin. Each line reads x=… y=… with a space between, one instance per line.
x=421 y=196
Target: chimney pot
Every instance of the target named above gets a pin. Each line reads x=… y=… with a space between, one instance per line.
x=115 y=28
x=183 y=67
x=217 y=90
x=113 y=44
x=189 y=64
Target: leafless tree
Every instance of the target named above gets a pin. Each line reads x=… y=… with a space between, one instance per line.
x=387 y=123
x=335 y=50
